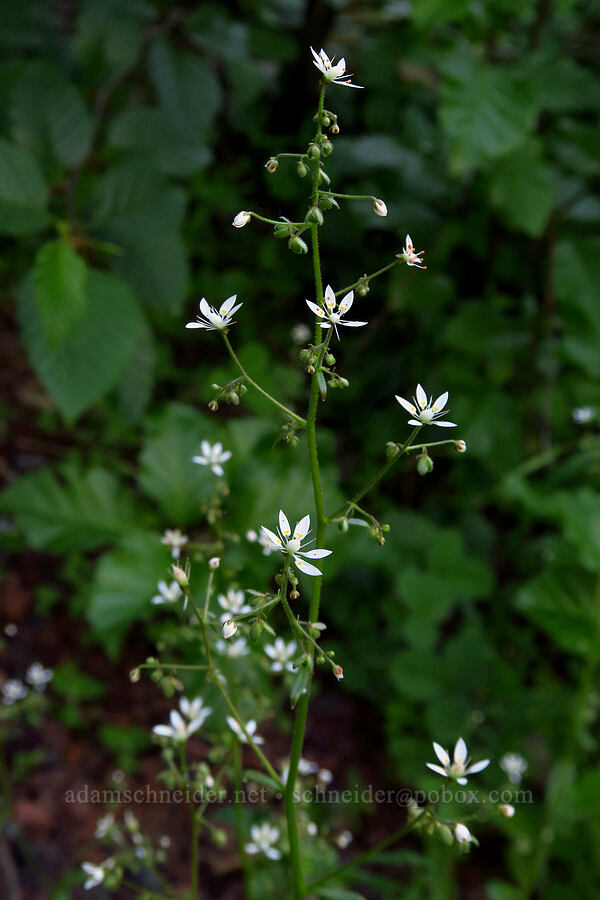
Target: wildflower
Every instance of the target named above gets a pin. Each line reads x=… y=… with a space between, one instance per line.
x=427 y=412
x=281 y=654
x=213 y=457
x=462 y=834
x=38 y=677
x=301 y=333
x=229 y=628
x=194 y=710
x=292 y=545
x=410 y=256
x=379 y=207
x=344 y=839
x=234 y=649
x=459 y=767
x=263 y=838
x=305 y=767
x=216 y=320
x=178 y=730
x=174 y=539
x=104 y=825
x=338 y=672
x=335 y=74
x=233 y=604
x=507 y=810
x=460 y=446
x=250 y=730
x=514 y=765
x=167 y=593
x=214 y=563
x=95 y=875
x=583 y=414
x=311 y=829
x=241 y=219
x=325 y=776
x=333 y=315
x=13 y=690
x=181 y=577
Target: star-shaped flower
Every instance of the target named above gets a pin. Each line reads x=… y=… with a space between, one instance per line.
x=281 y=654
x=174 y=539
x=514 y=765
x=212 y=456
x=179 y=730
x=426 y=412
x=263 y=838
x=410 y=256
x=95 y=875
x=291 y=545
x=194 y=710
x=216 y=319
x=333 y=315
x=250 y=729
x=234 y=604
x=458 y=768
x=38 y=677
x=335 y=74
x=167 y=593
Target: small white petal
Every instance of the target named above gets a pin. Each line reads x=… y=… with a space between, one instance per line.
x=204 y=308
x=315 y=554
x=271 y=537
x=196 y=325
x=284 y=525
x=302 y=528
x=441 y=402
x=421 y=396
x=305 y=567
x=442 y=424
x=329 y=298
x=353 y=324
x=216 y=468
x=437 y=769
x=316 y=309
x=477 y=767
x=406 y=404
x=441 y=754
x=226 y=306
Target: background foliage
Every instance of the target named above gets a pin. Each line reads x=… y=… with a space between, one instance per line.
x=126 y=151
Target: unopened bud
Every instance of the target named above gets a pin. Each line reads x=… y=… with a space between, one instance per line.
x=297 y=245
x=460 y=446
x=219 y=837
x=134 y=675
x=379 y=207
x=301 y=169
x=326 y=148
x=256 y=630
x=391 y=450
x=323 y=176
x=462 y=833
x=507 y=810
x=328 y=202
x=272 y=164
x=229 y=628
x=233 y=398
x=424 y=464
x=180 y=576
x=363 y=289
x=241 y=219
x=281 y=230
x=325 y=121
x=313 y=151
x=335 y=128
x=214 y=562
x=343 y=382
x=293 y=441
x=330 y=359
x=310 y=370
x=314 y=215
x=445 y=834
x=294 y=594
x=213 y=405
x=338 y=672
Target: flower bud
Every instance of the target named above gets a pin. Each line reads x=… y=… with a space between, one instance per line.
x=324 y=177
x=507 y=810
x=180 y=576
x=330 y=359
x=219 y=837
x=294 y=594
x=462 y=833
x=314 y=215
x=325 y=121
x=363 y=289
x=445 y=834
x=328 y=202
x=297 y=245
x=301 y=169
x=233 y=398
x=213 y=406
x=338 y=672
x=310 y=370
x=391 y=450
x=313 y=151
x=281 y=230
x=272 y=164
x=343 y=525
x=134 y=675
x=460 y=446
x=326 y=148
x=256 y=631
x=241 y=219
x=293 y=441
x=214 y=562
x=379 y=207
x=335 y=128
x=343 y=382
x=424 y=464
x=229 y=628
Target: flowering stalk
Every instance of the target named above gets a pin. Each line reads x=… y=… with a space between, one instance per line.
x=366 y=278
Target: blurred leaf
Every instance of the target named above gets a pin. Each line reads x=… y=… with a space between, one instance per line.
x=170 y=146
x=299 y=685
x=74 y=684
x=434 y=12
x=577 y=275
x=101 y=46
x=522 y=188
x=261 y=778
x=70 y=508
x=60 y=278
x=22 y=192
x=186 y=85
x=134 y=391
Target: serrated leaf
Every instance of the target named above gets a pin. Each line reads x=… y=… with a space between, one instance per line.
x=70 y=508
x=60 y=279
x=91 y=359
x=23 y=194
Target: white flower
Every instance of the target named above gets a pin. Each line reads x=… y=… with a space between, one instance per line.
x=344 y=839
x=583 y=414
x=216 y=320
x=174 y=539
x=426 y=412
x=281 y=654
x=301 y=333
x=410 y=256
x=178 y=730
x=241 y=219
x=251 y=535
x=250 y=728
x=104 y=825
x=311 y=829
x=514 y=765
x=13 y=690
x=213 y=457
x=167 y=593
x=379 y=207
x=292 y=544
x=233 y=604
x=462 y=834
x=305 y=767
x=38 y=677
x=95 y=875
x=333 y=315
x=263 y=838
x=458 y=768
x=325 y=776
x=335 y=74
x=229 y=628
x=194 y=710
x=507 y=810
x=234 y=649
x=214 y=562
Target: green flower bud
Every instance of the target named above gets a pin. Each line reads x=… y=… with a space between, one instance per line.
x=446 y=834
x=256 y=630
x=233 y=398
x=314 y=151
x=301 y=169
x=326 y=148
x=424 y=464
x=314 y=215
x=391 y=450
x=297 y=245
x=330 y=359
x=343 y=525
x=343 y=382
x=219 y=837
x=363 y=289
x=242 y=388
x=325 y=121
x=281 y=230
x=272 y=164
x=293 y=441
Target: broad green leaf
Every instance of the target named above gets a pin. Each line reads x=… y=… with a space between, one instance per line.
x=577 y=275
x=434 y=12
x=523 y=188
x=60 y=278
x=124 y=583
x=22 y=192
x=173 y=147
x=91 y=359
x=135 y=388
x=70 y=508
x=99 y=45
x=186 y=85
x=49 y=116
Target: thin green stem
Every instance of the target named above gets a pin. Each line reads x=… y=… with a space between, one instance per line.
x=293 y=155
x=348 y=196
x=275 y=221
x=403 y=449
x=298 y=419
x=366 y=278
x=433 y=444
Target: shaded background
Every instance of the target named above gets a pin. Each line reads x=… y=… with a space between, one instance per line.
x=132 y=132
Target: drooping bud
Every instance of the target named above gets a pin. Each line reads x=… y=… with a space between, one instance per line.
x=233 y=398
x=301 y=169
x=326 y=148
x=314 y=151
x=213 y=406
x=328 y=202
x=134 y=675
x=180 y=576
x=343 y=525
x=363 y=288
x=462 y=833
x=314 y=215
x=241 y=219
x=507 y=810
x=272 y=164
x=379 y=207
x=330 y=359
x=256 y=631
x=229 y=628
x=391 y=450
x=281 y=230
x=324 y=177
x=424 y=464
x=335 y=128
x=460 y=446
x=297 y=245
x=325 y=121
x=338 y=672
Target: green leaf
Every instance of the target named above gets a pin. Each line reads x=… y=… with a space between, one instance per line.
x=433 y=12
x=299 y=685
x=187 y=86
x=170 y=146
x=135 y=388
x=22 y=192
x=261 y=778
x=124 y=583
x=60 y=278
x=49 y=116
x=577 y=275
x=71 y=682
x=91 y=359
x=69 y=508
x=522 y=188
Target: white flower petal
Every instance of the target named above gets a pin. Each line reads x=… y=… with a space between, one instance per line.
x=163 y=730
x=271 y=537
x=305 y=567
x=205 y=308
x=353 y=324
x=200 y=460
x=442 y=424
x=302 y=528
x=477 y=767
x=437 y=769
x=216 y=468
x=329 y=298
x=416 y=423
x=440 y=402
x=421 y=396
x=441 y=754
x=460 y=752
x=284 y=525
x=315 y=554
x=316 y=309
x=406 y=404
x=226 y=306
x=196 y=325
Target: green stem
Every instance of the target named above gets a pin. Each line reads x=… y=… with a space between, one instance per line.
x=433 y=444
x=348 y=196
x=275 y=221
x=298 y=419
x=365 y=279
x=239 y=818
x=404 y=448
